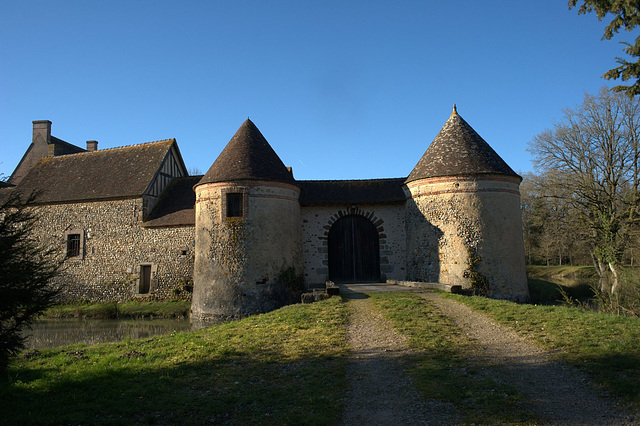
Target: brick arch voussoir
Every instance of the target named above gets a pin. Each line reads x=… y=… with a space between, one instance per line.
x=370 y=215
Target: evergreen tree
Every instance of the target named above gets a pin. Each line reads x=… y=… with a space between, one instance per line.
x=626 y=15
x=26 y=269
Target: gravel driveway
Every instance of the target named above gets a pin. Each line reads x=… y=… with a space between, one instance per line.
x=381 y=393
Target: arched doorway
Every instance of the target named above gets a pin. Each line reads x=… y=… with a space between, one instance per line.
x=354 y=250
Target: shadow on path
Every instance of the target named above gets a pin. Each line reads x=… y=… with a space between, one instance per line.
x=359 y=290
x=380 y=391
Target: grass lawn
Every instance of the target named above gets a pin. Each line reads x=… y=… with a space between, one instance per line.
x=281 y=367
x=288 y=367
x=605 y=346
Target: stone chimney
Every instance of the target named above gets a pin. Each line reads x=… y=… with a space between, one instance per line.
x=41 y=132
x=40 y=146
x=92 y=146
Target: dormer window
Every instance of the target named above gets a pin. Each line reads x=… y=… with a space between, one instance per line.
x=235 y=203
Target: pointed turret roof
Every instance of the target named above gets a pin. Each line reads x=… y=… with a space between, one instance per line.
x=247 y=156
x=458 y=150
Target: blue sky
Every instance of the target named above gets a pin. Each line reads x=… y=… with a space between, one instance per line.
x=340 y=89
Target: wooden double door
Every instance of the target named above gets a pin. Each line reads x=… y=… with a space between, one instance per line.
x=354 y=250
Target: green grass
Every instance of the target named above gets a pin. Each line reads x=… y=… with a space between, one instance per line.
x=284 y=367
x=169 y=309
x=441 y=368
x=289 y=366
x=605 y=346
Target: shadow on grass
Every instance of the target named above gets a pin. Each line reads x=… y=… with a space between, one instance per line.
x=618 y=373
x=236 y=390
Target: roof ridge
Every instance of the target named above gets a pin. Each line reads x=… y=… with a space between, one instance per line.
x=349 y=180
x=57 y=140
x=112 y=149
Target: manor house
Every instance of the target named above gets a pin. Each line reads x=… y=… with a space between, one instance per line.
x=134 y=224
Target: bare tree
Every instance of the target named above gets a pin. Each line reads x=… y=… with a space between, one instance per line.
x=591 y=157
x=194 y=171
x=552 y=232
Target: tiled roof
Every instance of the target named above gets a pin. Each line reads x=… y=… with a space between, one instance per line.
x=176 y=207
x=65 y=147
x=458 y=150
x=372 y=191
x=248 y=156
x=123 y=172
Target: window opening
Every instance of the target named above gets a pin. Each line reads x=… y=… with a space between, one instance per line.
x=73 y=245
x=145 y=279
x=234 y=204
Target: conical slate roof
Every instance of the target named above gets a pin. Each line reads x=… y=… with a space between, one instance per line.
x=458 y=150
x=247 y=156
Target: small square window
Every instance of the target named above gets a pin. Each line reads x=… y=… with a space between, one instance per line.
x=73 y=245
x=234 y=204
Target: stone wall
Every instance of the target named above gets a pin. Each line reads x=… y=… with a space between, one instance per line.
x=451 y=219
x=113 y=247
x=317 y=221
x=244 y=264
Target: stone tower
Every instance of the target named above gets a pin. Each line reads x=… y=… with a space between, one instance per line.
x=248 y=231
x=463 y=217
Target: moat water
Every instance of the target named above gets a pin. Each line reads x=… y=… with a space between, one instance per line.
x=53 y=333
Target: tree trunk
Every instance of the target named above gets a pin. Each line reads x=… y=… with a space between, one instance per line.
x=614 y=282
x=602 y=278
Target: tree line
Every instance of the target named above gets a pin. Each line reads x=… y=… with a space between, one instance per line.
x=581 y=206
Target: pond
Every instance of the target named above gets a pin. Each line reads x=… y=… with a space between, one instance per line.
x=53 y=333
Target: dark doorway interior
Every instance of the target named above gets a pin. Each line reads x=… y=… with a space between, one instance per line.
x=145 y=279
x=354 y=250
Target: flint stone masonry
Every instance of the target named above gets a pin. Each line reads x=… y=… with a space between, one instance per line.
x=114 y=246
x=240 y=261
x=449 y=217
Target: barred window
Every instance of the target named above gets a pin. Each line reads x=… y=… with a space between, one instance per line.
x=73 y=245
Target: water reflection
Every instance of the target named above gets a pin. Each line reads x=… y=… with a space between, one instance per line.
x=53 y=333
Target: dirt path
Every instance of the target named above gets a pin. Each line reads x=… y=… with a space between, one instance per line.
x=381 y=393
x=558 y=393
